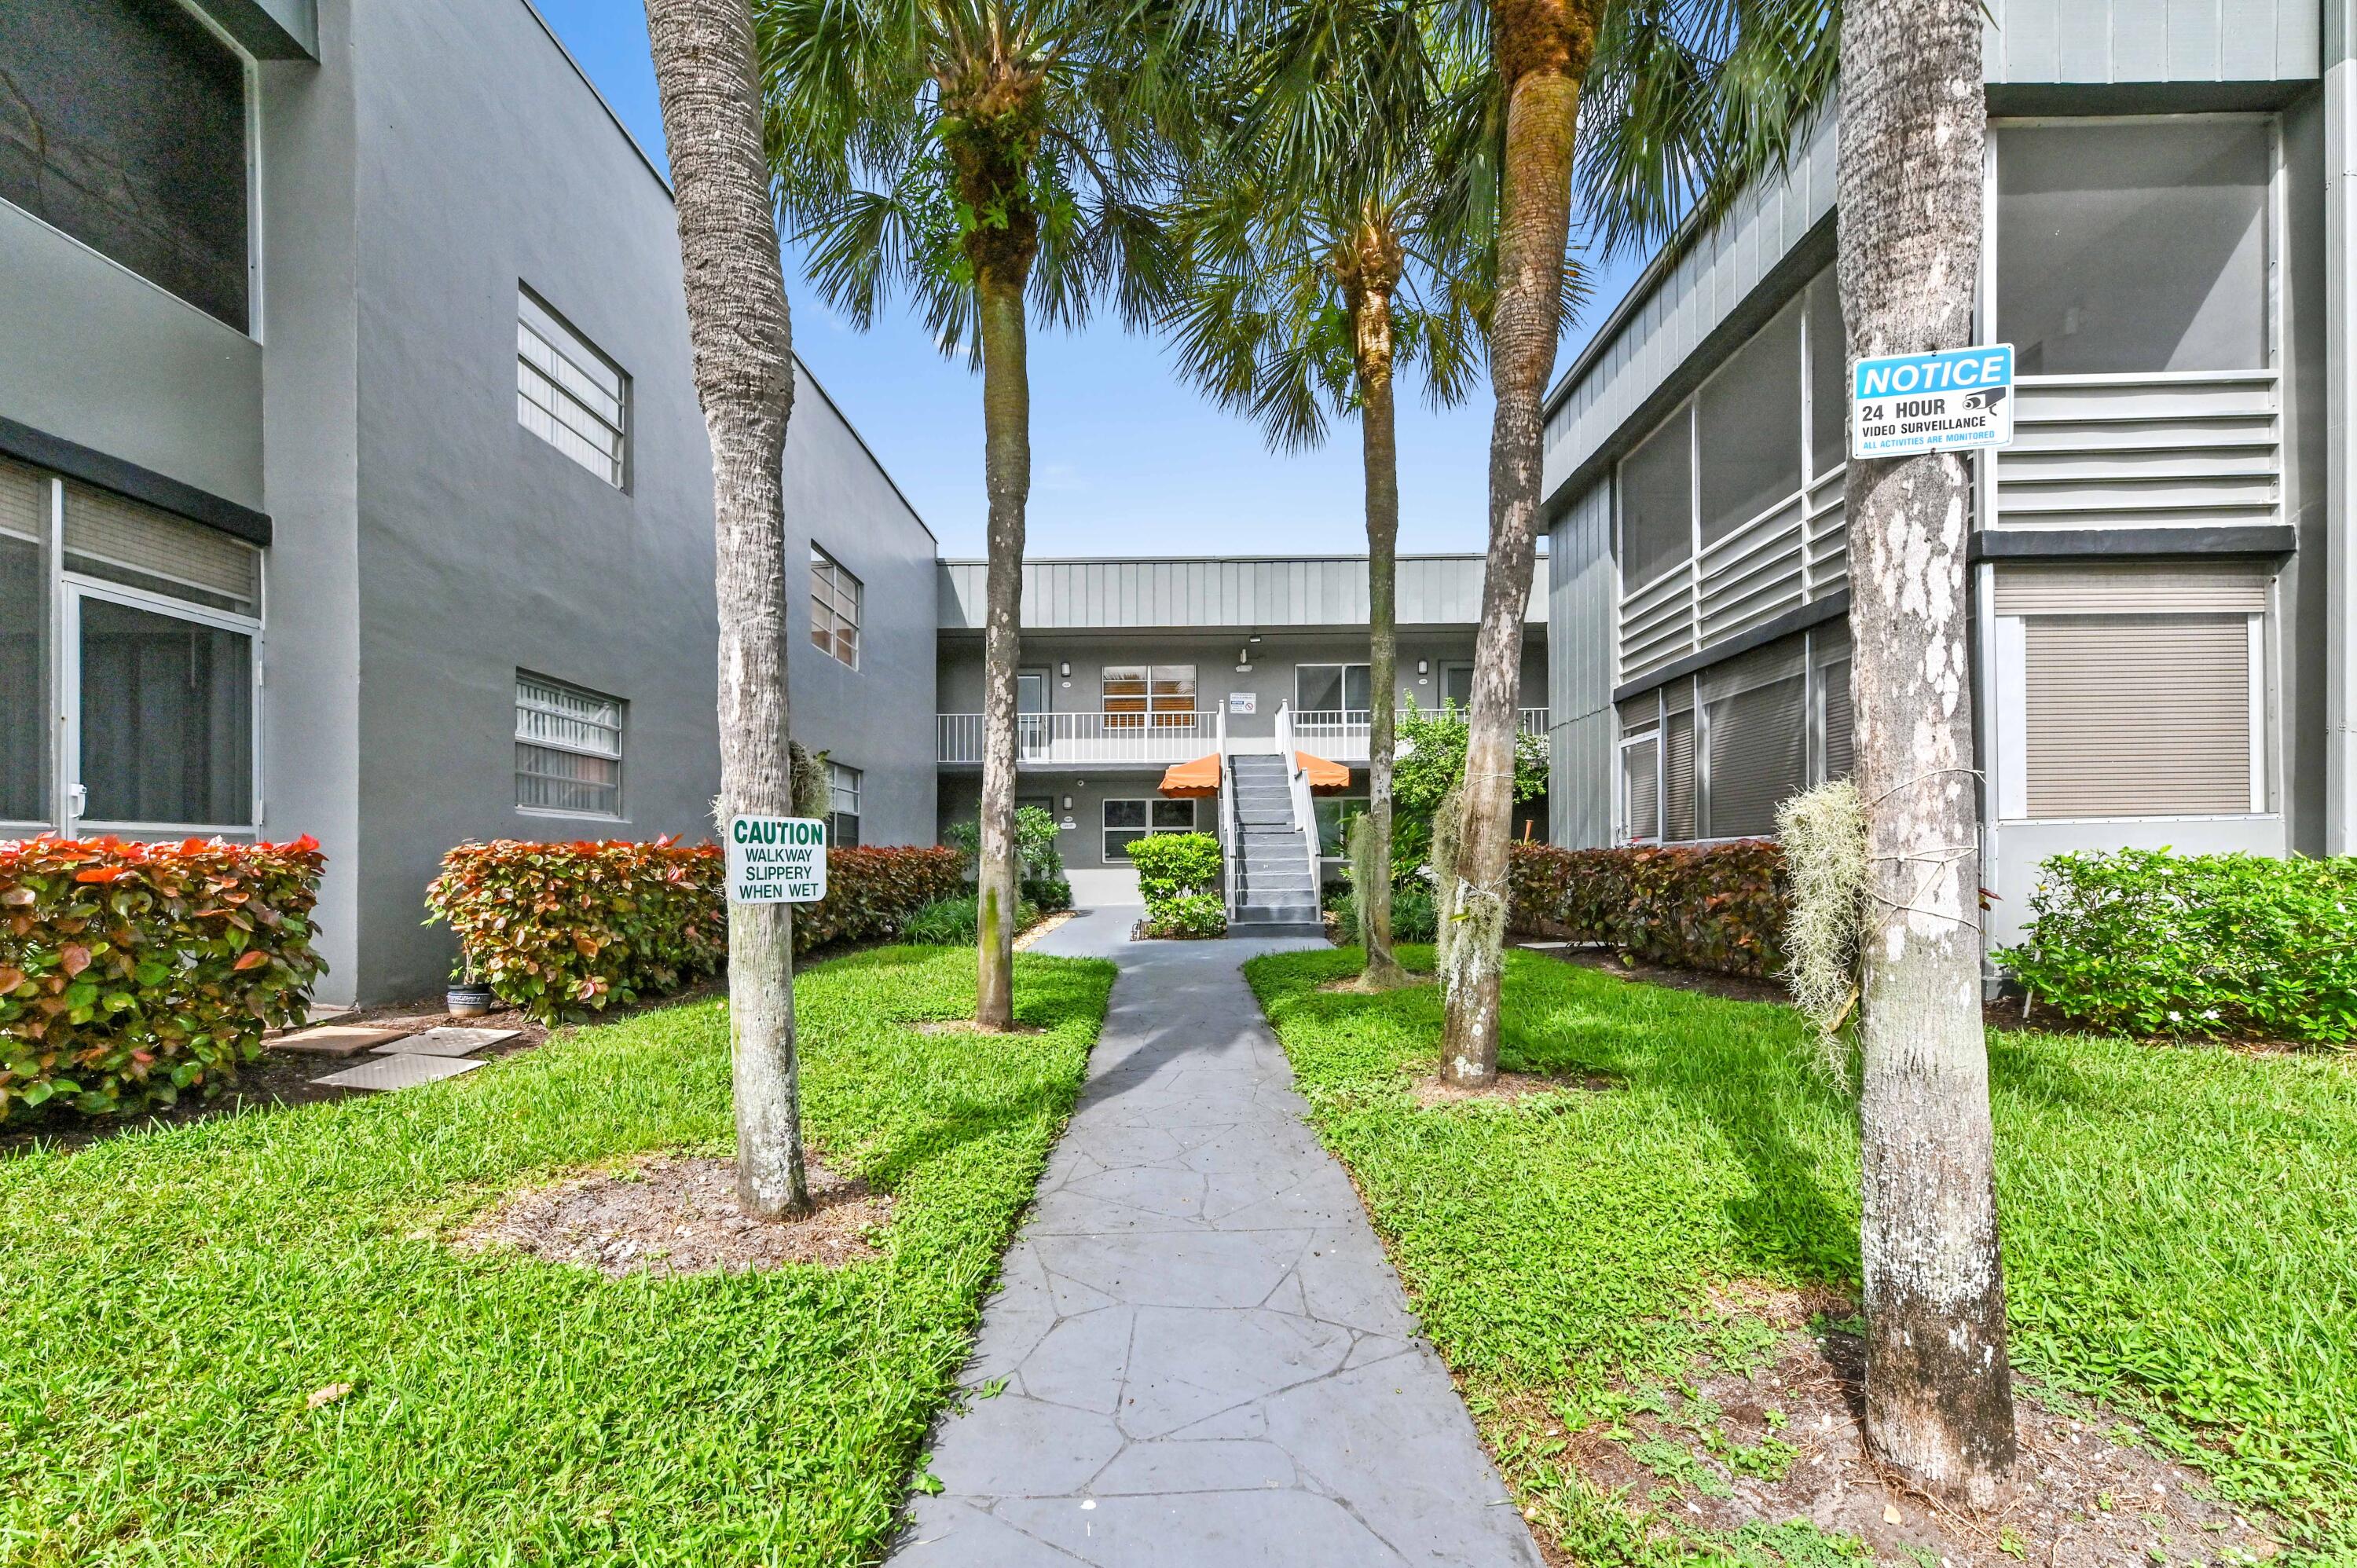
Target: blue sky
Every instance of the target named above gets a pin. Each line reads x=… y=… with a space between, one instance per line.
x=1124 y=459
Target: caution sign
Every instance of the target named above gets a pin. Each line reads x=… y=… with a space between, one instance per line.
x=1959 y=399
x=776 y=860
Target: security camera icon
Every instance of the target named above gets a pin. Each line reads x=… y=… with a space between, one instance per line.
x=1989 y=399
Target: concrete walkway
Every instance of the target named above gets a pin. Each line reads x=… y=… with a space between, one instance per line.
x=1206 y=1357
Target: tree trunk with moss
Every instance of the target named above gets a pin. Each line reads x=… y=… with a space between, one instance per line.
x=1939 y=1399
x=1543 y=48
x=1374 y=273
x=737 y=324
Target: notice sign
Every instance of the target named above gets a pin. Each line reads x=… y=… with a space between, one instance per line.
x=1957 y=400
x=776 y=860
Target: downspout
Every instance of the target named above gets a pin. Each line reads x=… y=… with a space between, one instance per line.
x=2341 y=428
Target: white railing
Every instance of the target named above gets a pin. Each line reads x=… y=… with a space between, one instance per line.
x=2143 y=451
x=1342 y=735
x=1305 y=814
x=1231 y=850
x=1060 y=739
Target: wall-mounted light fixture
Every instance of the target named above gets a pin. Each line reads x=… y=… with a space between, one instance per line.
x=1068 y=802
x=1424 y=667
x=1065 y=669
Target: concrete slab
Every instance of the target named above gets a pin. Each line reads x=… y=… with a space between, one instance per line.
x=1209 y=1360
x=337 y=1039
x=450 y=1042
x=387 y=1073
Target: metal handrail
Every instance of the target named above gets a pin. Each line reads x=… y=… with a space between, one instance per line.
x=1229 y=850
x=1305 y=814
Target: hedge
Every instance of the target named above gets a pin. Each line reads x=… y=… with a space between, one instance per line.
x=1711 y=907
x=2221 y=945
x=1179 y=876
x=559 y=928
x=131 y=973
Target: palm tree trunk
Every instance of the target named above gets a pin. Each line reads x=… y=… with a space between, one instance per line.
x=1939 y=1404
x=743 y=339
x=1006 y=437
x=1380 y=445
x=1543 y=48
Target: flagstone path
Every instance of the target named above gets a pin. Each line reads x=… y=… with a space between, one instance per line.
x=1202 y=1357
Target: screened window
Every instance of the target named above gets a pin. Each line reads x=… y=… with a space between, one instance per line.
x=166 y=718
x=835 y=609
x=843 y=786
x=569 y=393
x=1139 y=695
x=1331 y=688
x=2133 y=246
x=1657 y=503
x=123 y=124
x=1836 y=720
x=1641 y=769
x=1125 y=822
x=568 y=746
x=1748 y=428
x=1755 y=739
x=1828 y=377
x=23 y=646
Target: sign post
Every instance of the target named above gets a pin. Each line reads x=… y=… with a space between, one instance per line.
x=1956 y=400
x=776 y=860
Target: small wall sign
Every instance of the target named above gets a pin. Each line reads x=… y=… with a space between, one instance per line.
x=1958 y=399
x=1243 y=702
x=776 y=860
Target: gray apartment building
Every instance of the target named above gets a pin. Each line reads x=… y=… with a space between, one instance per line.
x=2161 y=571
x=352 y=477
x=1133 y=666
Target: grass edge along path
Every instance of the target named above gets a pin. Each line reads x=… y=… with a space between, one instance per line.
x=174 y=1299
x=2181 y=1231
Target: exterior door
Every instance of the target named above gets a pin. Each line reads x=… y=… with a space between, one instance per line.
x=1031 y=707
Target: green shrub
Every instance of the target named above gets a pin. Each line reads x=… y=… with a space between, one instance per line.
x=561 y=929
x=1179 y=877
x=1431 y=761
x=1037 y=855
x=1414 y=916
x=132 y=972
x=952 y=922
x=1050 y=893
x=2156 y=943
x=1189 y=915
x=1718 y=906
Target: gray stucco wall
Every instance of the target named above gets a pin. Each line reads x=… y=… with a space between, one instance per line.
x=879 y=717
x=101 y=357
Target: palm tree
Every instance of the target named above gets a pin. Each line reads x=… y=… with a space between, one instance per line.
x=994 y=160
x=743 y=339
x=1691 y=100
x=1939 y=1396
x=1330 y=246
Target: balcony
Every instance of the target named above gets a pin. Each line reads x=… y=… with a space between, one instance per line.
x=1101 y=740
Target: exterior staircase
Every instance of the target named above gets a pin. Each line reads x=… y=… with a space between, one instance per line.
x=1274 y=894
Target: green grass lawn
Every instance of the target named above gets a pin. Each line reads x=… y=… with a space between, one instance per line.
x=2180 y=1224
x=168 y=1300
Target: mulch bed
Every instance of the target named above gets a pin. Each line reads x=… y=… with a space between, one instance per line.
x=2085 y=1492
x=668 y=1216
x=1508 y=1086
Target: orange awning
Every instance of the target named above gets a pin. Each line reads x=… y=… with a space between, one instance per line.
x=1196 y=780
x=1324 y=777
x=1199 y=780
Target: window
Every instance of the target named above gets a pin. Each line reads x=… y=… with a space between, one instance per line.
x=2131 y=692
x=1126 y=820
x=843 y=805
x=1456 y=685
x=1331 y=688
x=1754 y=740
x=569 y=393
x=1828 y=378
x=1657 y=503
x=835 y=609
x=1679 y=790
x=1334 y=814
x=166 y=718
x=1137 y=695
x=24 y=647
x=568 y=750
x=1641 y=769
x=123 y=125
x=1748 y=428
x=1837 y=729
x=2134 y=246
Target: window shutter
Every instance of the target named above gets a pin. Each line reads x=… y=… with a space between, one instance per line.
x=2131 y=588
x=107 y=531
x=1841 y=732
x=2133 y=715
x=1757 y=757
x=1678 y=776
x=1641 y=769
x=23 y=514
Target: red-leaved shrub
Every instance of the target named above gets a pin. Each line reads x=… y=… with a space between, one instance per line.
x=131 y=973
x=559 y=928
x=1718 y=906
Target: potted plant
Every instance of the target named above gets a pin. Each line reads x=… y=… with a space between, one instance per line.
x=467 y=997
